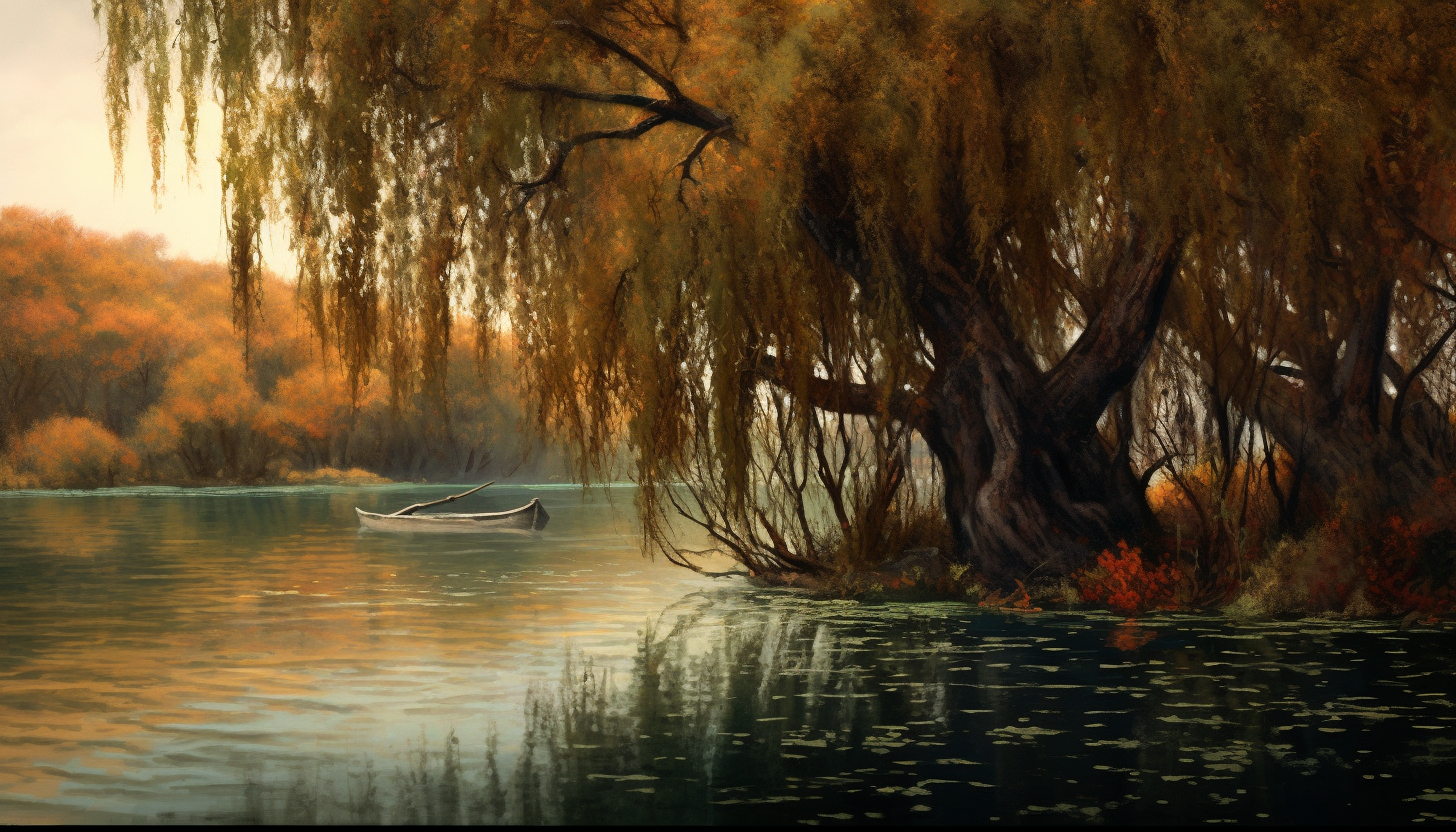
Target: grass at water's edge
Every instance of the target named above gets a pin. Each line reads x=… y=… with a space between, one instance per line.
x=1120 y=590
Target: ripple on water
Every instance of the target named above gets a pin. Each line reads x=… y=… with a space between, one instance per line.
x=240 y=654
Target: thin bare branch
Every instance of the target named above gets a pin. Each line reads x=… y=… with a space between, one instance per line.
x=658 y=78
x=626 y=98
x=410 y=79
x=1445 y=293
x=687 y=163
x=1397 y=410
x=563 y=148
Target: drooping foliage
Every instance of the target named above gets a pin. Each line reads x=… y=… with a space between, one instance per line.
x=822 y=260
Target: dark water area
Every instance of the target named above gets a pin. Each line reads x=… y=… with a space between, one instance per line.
x=248 y=655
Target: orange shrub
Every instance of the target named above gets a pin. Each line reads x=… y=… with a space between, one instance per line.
x=1225 y=521
x=68 y=452
x=1122 y=581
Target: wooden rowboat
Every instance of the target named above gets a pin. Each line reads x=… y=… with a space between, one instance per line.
x=529 y=517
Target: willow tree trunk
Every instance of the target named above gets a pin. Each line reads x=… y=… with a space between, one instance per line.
x=1026 y=493
x=1032 y=487
x=1336 y=418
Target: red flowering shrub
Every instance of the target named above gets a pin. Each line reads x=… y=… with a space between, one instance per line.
x=1123 y=581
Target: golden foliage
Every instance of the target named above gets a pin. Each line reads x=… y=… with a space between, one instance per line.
x=114 y=340
x=643 y=191
x=70 y=452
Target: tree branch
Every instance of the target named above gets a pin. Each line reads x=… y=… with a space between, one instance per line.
x=1147 y=476
x=415 y=82
x=1448 y=295
x=1398 y=408
x=677 y=107
x=681 y=107
x=1420 y=229
x=838 y=397
x=438 y=123
x=658 y=18
x=623 y=52
x=561 y=149
x=626 y=98
x=1112 y=347
x=687 y=163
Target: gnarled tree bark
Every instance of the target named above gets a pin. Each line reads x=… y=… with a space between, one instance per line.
x=1031 y=487
x=1338 y=421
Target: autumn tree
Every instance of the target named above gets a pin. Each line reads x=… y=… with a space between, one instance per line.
x=1307 y=352
x=781 y=243
x=213 y=420
x=87 y=325
x=104 y=336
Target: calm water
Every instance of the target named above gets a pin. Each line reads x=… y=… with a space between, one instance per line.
x=249 y=655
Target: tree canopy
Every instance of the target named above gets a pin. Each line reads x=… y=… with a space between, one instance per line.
x=1067 y=246
x=120 y=365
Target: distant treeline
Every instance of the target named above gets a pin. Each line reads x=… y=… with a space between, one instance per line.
x=119 y=365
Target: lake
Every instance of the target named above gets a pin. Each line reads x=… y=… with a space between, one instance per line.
x=249 y=655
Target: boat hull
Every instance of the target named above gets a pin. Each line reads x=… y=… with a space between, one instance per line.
x=529 y=517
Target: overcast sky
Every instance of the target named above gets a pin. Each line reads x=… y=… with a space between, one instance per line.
x=53 y=146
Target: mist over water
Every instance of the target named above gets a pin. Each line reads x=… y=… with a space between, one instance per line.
x=247 y=654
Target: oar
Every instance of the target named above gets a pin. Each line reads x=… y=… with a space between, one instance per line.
x=417 y=506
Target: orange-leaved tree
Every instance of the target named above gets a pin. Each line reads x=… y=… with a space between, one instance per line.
x=213 y=420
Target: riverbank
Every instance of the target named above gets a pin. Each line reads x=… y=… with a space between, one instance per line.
x=1403 y=575
x=10 y=480
x=1290 y=582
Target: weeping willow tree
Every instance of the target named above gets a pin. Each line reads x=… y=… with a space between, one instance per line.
x=778 y=244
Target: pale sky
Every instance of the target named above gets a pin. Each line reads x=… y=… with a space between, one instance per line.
x=53 y=147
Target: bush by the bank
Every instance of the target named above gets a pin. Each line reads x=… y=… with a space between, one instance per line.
x=1362 y=563
x=71 y=452
x=334 y=476
x=1125 y=581
x=1355 y=564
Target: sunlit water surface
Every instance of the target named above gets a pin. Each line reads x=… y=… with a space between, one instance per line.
x=249 y=655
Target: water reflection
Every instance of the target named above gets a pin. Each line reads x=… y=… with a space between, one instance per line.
x=250 y=656
x=155 y=643
x=761 y=708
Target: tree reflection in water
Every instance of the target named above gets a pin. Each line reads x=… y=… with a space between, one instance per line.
x=706 y=727
x=782 y=711
x=707 y=733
